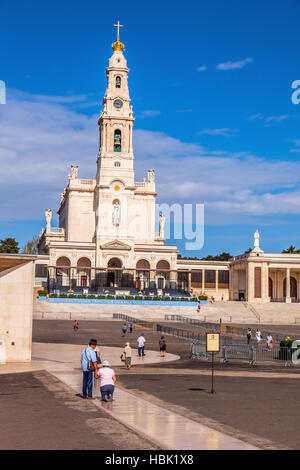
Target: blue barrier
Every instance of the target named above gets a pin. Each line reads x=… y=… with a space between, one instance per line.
x=123 y=302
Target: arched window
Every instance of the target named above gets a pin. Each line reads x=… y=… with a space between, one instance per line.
x=118 y=82
x=117 y=140
x=117 y=164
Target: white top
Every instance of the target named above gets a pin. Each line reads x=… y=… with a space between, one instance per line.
x=141 y=341
x=106 y=376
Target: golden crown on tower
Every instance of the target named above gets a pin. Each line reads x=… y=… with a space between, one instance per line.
x=118 y=46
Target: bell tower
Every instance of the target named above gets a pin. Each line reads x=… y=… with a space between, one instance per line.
x=115 y=157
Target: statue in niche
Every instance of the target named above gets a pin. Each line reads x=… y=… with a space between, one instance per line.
x=116 y=215
x=48 y=216
x=162 y=221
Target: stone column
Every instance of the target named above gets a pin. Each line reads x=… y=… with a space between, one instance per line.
x=265 y=283
x=288 y=286
x=189 y=281
x=203 y=281
x=217 y=280
x=250 y=282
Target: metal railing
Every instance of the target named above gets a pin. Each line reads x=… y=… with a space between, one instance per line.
x=194 y=322
x=141 y=323
x=225 y=329
x=250 y=353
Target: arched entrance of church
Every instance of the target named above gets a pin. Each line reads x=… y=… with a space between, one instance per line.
x=293 y=291
x=163 y=276
x=114 y=275
x=142 y=279
x=83 y=272
x=63 y=272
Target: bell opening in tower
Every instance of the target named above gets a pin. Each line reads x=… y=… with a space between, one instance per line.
x=117 y=141
x=118 y=82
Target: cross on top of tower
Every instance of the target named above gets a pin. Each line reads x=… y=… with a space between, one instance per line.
x=118 y=26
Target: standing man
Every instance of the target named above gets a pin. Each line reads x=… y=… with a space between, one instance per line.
x=130 y=327
x=141 y=345
x=249 y=334
x=89 y=369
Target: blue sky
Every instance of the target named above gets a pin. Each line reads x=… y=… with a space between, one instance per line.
x=210 y=84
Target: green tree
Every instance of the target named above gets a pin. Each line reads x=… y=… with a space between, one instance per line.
x=9 y=245
x=221 y=257
x=291 y=249
x=31 y=247
x=248 y=251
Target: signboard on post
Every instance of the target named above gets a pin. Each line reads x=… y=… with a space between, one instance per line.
x=212 y=346
x=212 y=342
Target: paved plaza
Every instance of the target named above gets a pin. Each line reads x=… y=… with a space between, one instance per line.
x=175 y=390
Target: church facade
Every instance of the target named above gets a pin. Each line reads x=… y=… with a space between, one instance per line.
x=109 y=221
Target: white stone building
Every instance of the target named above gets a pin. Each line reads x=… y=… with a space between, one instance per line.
x=109 y=221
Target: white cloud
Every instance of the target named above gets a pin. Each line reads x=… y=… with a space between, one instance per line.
x=203 y=68
x=150 y=113
x=256 y=117
x=234 y=65
x=224 y=132
x=39 y=139
x=276 y=119
x=297 y=146
x=270 y=119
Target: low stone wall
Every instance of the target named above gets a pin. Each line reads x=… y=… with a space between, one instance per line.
x=76 y=311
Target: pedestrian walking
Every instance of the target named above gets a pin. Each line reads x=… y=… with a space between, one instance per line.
x=249 y=334
x=76 y=325
x=108 y=379
x=89 y=368
x=124 y=329
x=141 y=345
x=128 y=355
x=199 y=307
x=269 y=342
x=162 y=346
x=258 y=335
x=130 y=327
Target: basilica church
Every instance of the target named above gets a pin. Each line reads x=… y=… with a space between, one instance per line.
x=106 y=240
x=109 y=221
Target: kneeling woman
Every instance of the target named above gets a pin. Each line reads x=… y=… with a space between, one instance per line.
x=107 y=381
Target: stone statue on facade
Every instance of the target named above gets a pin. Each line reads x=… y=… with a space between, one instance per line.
x=116 y=214
x=151 y=176
x=62 y=195
x=256 y=249
x=48 y=216
x=162 y=221
x=74 y=172
x=256 y=239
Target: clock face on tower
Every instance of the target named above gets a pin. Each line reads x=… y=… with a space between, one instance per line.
x=118 y=104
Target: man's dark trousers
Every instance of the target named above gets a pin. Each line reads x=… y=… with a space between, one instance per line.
x=87 y=384
x=141 y=350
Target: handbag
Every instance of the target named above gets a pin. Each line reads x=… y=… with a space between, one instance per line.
x=123 y=357
x=90 y=364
